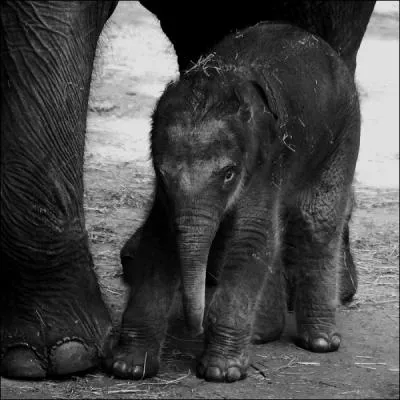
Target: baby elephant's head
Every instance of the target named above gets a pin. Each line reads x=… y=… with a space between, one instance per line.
x=205 y=146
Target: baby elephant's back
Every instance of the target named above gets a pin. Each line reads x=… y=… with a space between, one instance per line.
x=310 y=83
x=283 y=50
x=272 y=43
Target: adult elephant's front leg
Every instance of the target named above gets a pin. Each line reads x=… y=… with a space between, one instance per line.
x=151 y=269
x=54 y=321
x=251 y=257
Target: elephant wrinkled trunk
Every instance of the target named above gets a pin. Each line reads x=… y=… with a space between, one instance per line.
x=194 y=238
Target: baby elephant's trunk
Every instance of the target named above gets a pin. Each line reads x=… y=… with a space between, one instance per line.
x=194 y=237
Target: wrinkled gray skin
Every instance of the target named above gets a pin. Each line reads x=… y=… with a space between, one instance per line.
x=54 y=321
x=254 y=152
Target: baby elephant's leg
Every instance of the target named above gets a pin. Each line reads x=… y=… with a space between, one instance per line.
x=270 y=316
x=150 y=268
x=348 y=275
x=230 y=320
x=313 y=245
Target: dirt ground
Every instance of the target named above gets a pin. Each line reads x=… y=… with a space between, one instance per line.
x=135 y=61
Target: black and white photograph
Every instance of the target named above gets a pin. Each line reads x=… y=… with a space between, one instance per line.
x=199 y=199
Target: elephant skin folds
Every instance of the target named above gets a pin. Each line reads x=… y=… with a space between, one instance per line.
x=54 y=325
x=254 y=150
x=53 y=319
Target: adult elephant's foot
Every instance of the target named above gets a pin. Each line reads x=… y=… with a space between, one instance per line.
x=135 y=357
x=54 y=322
x=222 y=368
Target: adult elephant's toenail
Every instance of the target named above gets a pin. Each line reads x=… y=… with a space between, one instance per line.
x=22 y=362
x=71 y=357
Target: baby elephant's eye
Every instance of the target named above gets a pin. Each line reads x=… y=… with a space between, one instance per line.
x=229 y=175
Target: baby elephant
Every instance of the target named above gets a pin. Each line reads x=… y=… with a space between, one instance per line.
x=254 y=150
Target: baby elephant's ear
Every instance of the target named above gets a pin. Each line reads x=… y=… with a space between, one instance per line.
x=266 y=93
x=257 y=99
x=244 y=111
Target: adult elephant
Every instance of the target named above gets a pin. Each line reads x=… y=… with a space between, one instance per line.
x=54 y=321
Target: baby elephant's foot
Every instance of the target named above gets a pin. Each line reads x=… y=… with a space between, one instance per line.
x=133 y=363
x=319 y=342
x=222 y=368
